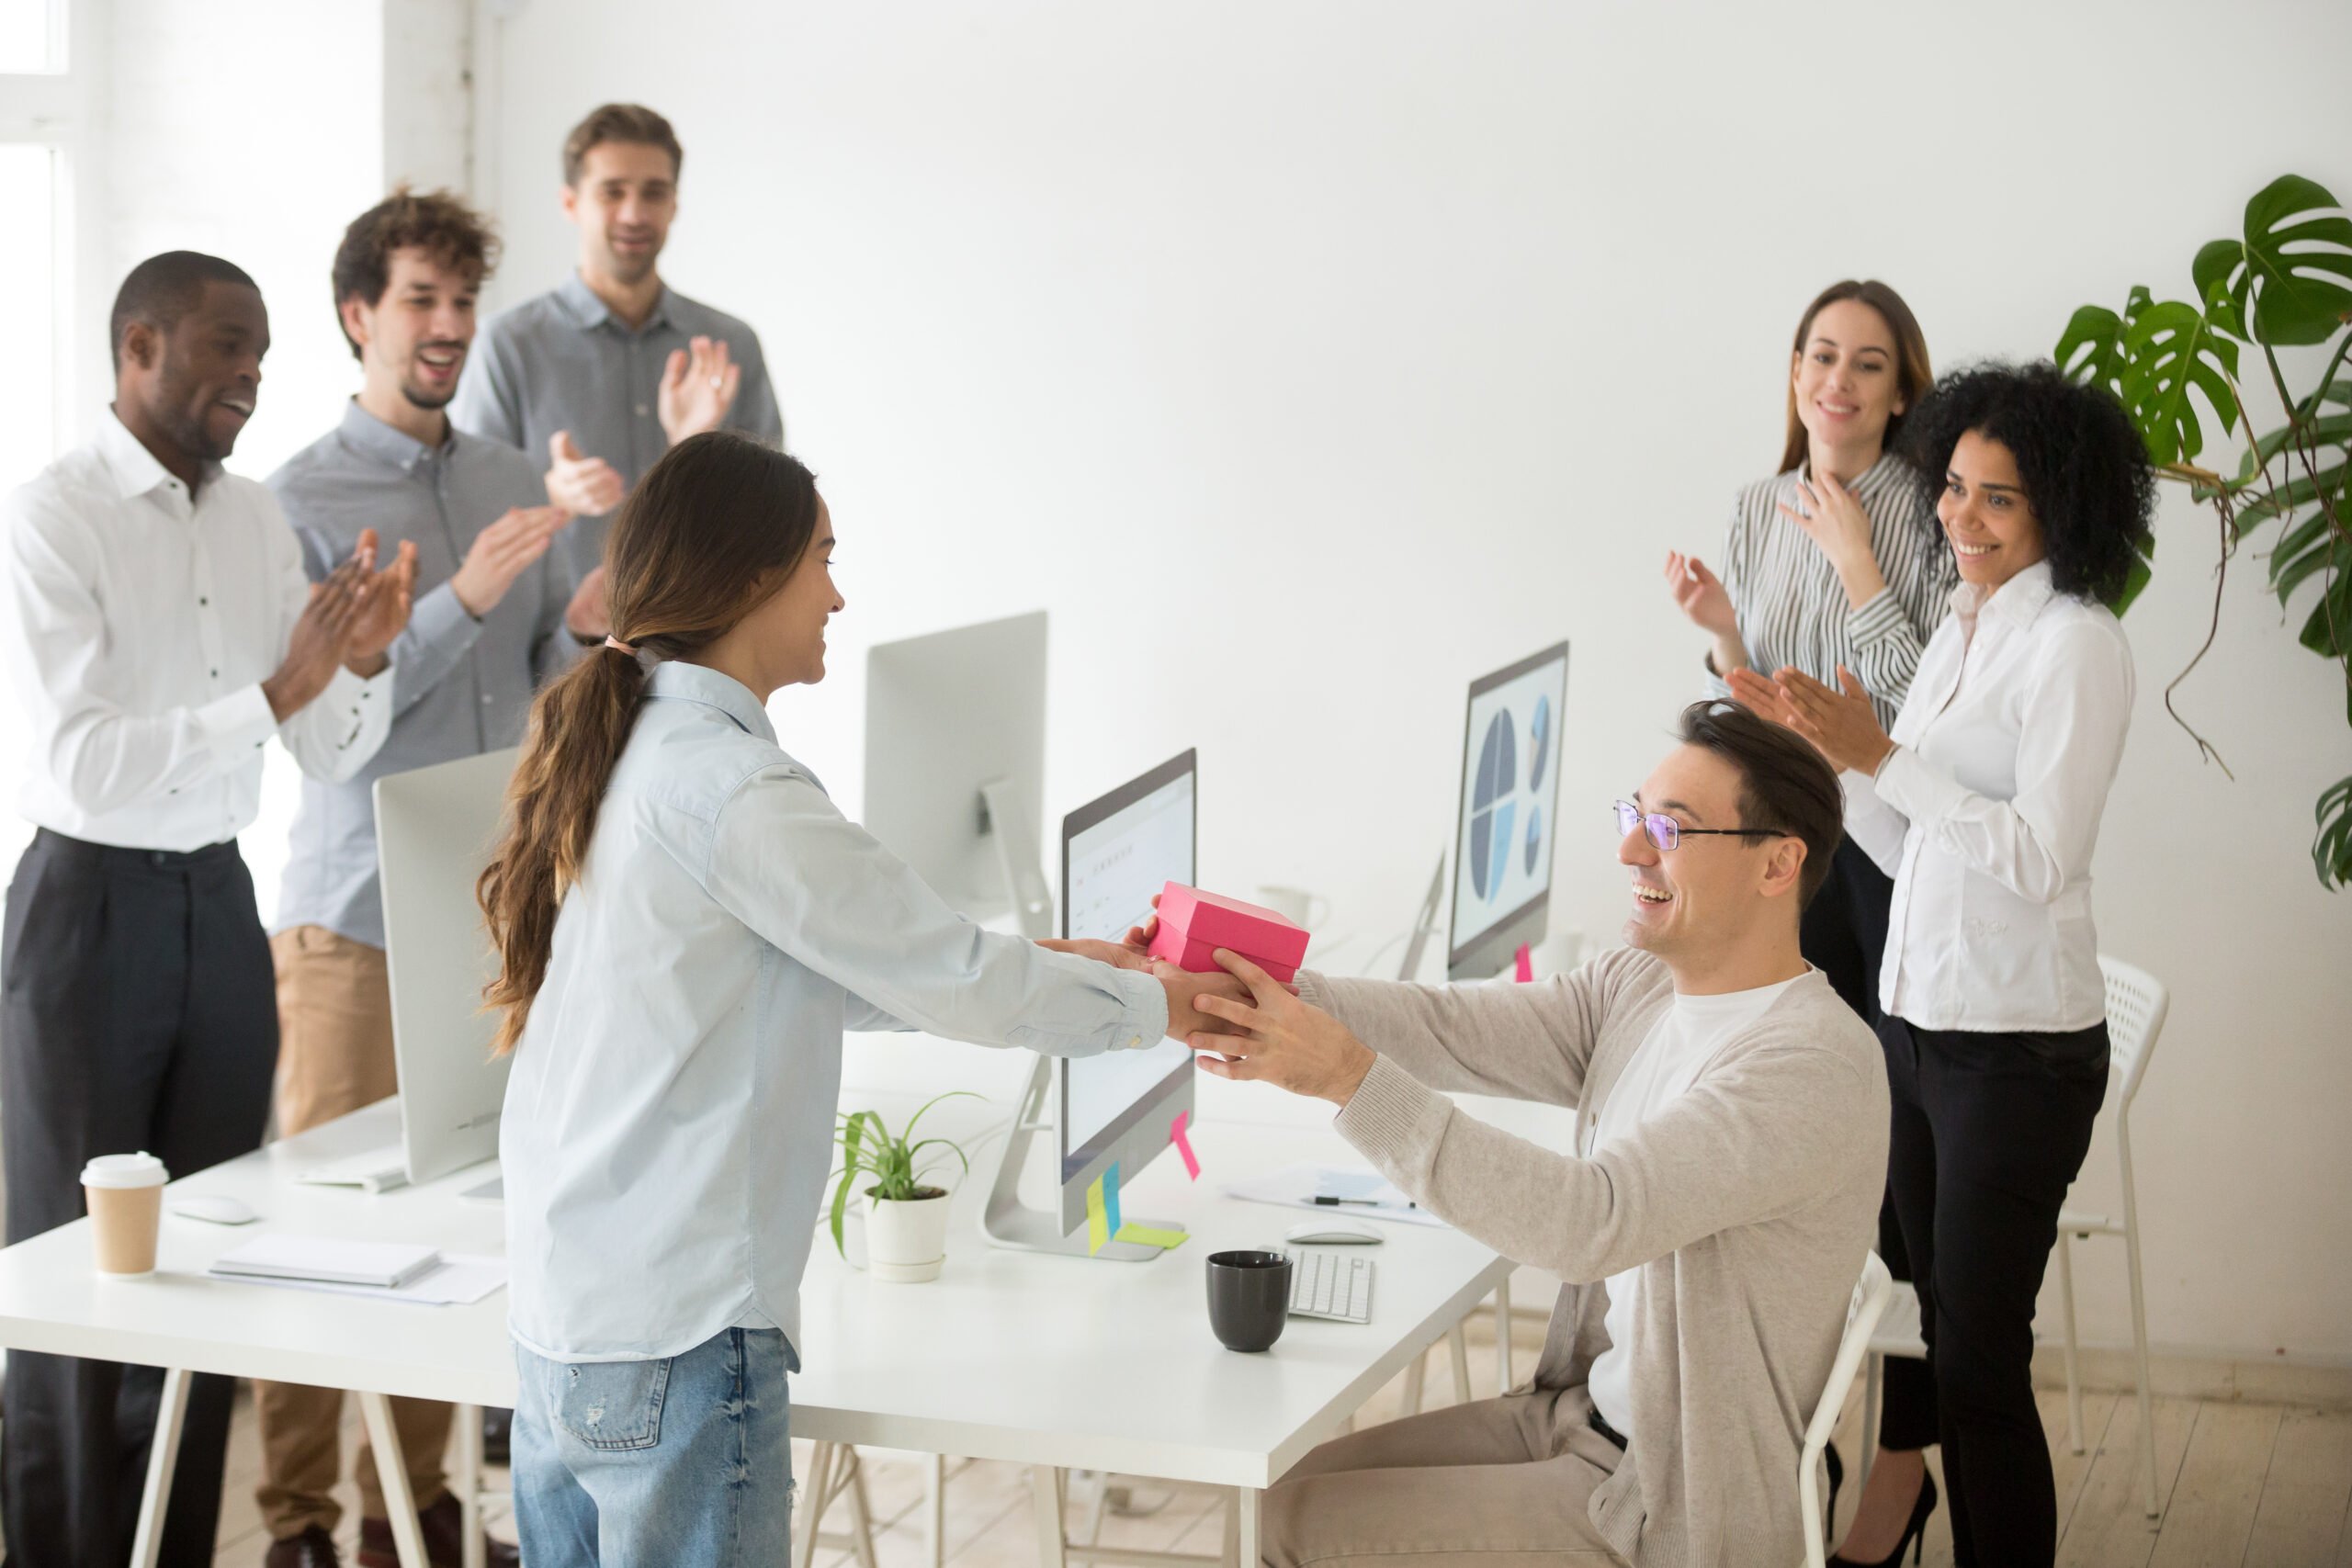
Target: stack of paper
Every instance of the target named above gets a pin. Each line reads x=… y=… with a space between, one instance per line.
x=324 y=1260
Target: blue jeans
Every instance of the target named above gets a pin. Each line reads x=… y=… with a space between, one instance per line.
x=685 y=1461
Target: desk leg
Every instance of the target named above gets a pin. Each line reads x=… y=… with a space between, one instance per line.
x=1045 y=1495
x=1245 y=1525
x=1458 y=1343
x=816 y=1491
x=1502 y=1337
x=935 y=1512
x=469 y=1485
x=400 y=1503
x=162 y=1458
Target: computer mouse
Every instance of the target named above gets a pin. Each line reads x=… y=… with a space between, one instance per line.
x=1323 y=1233
x=215 y=1208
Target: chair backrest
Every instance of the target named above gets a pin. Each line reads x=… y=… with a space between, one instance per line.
x=2136 y=1004
x=1872 y=1293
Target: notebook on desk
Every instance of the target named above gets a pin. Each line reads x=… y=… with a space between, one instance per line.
x=328 y=1260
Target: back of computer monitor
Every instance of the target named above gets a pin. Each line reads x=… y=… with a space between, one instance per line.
x=1505 y=826
x=434 y=829
x=947 y=716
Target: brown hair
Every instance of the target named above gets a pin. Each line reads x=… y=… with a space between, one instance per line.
x=712 y=529
x=620 y=122
x=1913 y=375
x=437 y=222
x=1785 y=785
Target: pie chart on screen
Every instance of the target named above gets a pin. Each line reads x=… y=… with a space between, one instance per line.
x=1492 y=806
x=1539 y=740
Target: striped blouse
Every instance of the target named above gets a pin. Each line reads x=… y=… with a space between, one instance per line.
x=1792 y=609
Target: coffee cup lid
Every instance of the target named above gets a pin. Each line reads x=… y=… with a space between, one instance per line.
x=141 y=1170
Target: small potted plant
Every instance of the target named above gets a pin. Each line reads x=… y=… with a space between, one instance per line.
x=906 y=1217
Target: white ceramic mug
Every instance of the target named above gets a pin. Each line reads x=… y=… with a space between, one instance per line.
x=1297 y=905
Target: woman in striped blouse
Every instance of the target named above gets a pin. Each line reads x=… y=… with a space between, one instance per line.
x=1834 y=561
x=1837 y=559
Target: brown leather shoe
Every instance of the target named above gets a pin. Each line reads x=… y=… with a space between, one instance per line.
x=444 y=1546
x=312 y=1549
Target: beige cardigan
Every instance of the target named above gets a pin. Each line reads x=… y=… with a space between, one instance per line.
x=1749 y=1202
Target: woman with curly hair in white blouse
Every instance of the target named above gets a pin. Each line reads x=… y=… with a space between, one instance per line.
x=1983 y=803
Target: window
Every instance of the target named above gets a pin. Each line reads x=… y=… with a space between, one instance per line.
x=32 y=37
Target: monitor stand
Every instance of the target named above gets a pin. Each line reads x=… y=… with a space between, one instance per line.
x=1018 y=852
x=1011 y=1224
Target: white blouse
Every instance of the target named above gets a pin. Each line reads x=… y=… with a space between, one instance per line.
x=1988 y=811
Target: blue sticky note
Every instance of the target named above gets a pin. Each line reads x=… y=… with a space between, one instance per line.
x=1111 y=1195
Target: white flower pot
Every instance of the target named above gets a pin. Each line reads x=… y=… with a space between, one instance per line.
x=906 y=1239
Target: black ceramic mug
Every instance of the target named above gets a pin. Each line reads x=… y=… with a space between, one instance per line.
x=1249 y=1298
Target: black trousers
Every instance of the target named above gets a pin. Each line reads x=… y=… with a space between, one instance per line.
x=1989 y=1130
x=1844 y=936
x=137 y=1010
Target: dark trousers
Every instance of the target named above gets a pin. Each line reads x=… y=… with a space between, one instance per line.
x=1988 y=1132
x=137 y=1012
x=1844 y=936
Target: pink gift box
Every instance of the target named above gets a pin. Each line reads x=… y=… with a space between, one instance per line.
x=1194 y=925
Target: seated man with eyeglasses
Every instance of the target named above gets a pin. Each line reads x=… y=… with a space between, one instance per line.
x=1711 y=1218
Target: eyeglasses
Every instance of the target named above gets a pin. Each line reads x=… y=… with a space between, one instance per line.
x=1667 y=833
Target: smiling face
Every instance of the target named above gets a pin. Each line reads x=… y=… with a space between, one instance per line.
x=413 y=341
x=198 y=383
x=785 y=633
x=1844 y=377
x=623 y=203
x=1994 y=532
x=1709 y=892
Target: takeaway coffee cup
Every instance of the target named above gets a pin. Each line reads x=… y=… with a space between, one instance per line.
x=126 y=1198
x=1249 y=1298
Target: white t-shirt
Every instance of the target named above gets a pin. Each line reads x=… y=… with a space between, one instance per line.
x=1667 y=1063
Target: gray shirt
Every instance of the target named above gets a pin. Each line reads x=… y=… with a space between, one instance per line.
x=563 y=361
x=461 y=686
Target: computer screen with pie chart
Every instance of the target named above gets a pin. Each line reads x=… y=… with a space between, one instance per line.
x=1510 y=786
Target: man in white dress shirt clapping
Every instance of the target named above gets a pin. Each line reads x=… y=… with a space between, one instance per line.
x=157 y=627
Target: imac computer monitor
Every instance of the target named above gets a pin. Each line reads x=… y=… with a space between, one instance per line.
x=1120 y=1106
x=434 y=829
x=1503 y=833
x=955 y=764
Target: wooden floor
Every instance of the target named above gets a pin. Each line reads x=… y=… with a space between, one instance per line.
x=2241 y=1485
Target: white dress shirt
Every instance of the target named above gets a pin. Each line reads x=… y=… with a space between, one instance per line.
x=1661 y=1070
x=137 y=628
x=669 y=1120
x=1987 y=812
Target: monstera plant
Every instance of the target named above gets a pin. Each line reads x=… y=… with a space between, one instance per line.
x=2284 y=283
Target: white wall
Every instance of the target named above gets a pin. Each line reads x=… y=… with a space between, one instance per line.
x=1308 y=360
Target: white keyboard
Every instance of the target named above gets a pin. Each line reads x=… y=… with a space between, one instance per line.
x=1335 y=1284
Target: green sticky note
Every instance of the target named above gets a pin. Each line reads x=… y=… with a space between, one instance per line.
x=1150 y=1238
x=1098 y=1222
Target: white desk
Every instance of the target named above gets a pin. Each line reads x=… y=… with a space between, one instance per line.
x=1037 y=1359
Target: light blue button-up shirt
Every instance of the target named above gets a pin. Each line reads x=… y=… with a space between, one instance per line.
x=669 y=1119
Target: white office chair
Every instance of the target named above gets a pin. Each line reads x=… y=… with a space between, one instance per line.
x=2136 y=1004
x=1872 y=1293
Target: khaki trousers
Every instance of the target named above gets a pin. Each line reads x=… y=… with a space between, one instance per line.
x=335 y=1020
x=1503 y=1482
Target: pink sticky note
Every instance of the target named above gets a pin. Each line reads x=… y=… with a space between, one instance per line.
x=1184 y=1144
x=1526 y=962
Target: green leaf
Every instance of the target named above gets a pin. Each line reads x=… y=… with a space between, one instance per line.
x=2295 y=494
x=2327 y=430
x=2090 y=351
x=2299 y=249
x=2311 y=549
x=2135 y=579
x=2332 y=848
x=2328 y=633
x=2221 y=279
x=2167 y=350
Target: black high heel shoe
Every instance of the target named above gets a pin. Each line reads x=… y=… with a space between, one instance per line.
x=1915 y=1534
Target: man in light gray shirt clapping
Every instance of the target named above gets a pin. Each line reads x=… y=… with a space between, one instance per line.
x=489 y=622
x=603 y=374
